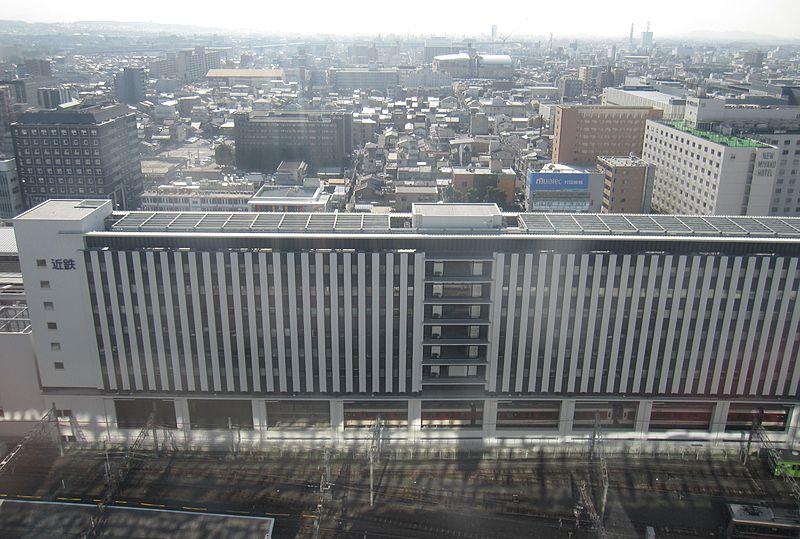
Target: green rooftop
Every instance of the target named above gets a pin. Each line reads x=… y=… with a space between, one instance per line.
x=725 y=140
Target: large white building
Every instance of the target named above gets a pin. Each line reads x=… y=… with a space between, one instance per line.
x=452 y=321
x=706 y=173
x=673 y=107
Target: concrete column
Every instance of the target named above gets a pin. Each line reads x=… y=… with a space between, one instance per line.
x=566 y=416
x=414 y=419
x=337 y=420
x=182 y=418
x=489 y=419
x=719 y=418
x=259 y=421
x=643 y=418
x=792 y=428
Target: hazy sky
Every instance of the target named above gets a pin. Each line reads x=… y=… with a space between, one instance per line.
x=521 y=17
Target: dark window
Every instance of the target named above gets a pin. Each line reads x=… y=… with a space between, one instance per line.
x=214 y=414
x=133 y=413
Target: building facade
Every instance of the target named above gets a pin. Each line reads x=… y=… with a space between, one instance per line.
x=582 y=133
x=673 y=106
x=452 y=321
x=628 y=184
x=10 y=189
x=702 y=172
x=80 y=152
x=364 y=78
x=264 y=139
x=130 y=85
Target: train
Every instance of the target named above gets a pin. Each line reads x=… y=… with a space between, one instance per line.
x=760 y=522
x=787 y=463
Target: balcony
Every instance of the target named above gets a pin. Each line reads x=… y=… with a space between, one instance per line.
x=458 y=278
x=456 y=321
x=436 y=341
x=456 y=380
x=459 y=360
x=456 y=301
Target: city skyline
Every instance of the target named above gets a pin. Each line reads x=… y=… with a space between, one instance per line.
x=685 y=19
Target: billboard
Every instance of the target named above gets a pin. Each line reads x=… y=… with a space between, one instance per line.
x=558 y=181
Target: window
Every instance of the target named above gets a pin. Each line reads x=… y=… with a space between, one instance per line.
x=52 y=325
x=59 y=365
x=41 y=263
x=55 y=346
x=44 y=284
x=48 y=305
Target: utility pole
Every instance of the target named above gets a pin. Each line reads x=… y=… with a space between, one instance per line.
x=599 y=453
x=324 y=490
x=374 y=456
x=59 y=441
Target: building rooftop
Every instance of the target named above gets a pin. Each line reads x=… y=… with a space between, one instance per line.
x=725 y=140
x=39 y=519
x=622 y=161
x=8 y=241
x=62 y=210
x=245 y=73
x=528 y=224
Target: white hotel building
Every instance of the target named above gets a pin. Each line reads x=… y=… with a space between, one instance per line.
x=452 y=321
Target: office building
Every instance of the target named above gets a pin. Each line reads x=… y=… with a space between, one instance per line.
x=569 y=88
x=252 y=78
x=10 y=189
x=37 y=67
x=584 y=132
x=706 y=173
x=452 y=321
x=130 y=85
x=52 y=98
x=672 y=107
x=627 y=185
x=79 y=152
x=265 y=138
x=363 y=78
x=564 y=188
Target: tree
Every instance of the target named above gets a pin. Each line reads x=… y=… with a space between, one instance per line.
x=224 y=156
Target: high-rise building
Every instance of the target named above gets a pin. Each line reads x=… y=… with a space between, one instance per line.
x=130 y=85
x=450 y=321
x=628 y=185
x=569 y=88
x=51 y=98
x=265 y=138
x=673 y=107
x=364 y=78
x=6 y=103
x=584 y=132
x=37 y=67
x=10 y=190
x=87 y=152
x=706 y=173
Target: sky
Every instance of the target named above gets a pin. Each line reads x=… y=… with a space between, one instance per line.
x=513 y=17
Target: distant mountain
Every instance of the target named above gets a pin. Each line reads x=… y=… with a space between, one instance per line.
x=22 y=27
x=731 y=37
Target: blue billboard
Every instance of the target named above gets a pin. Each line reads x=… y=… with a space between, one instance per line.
x=558 y=181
